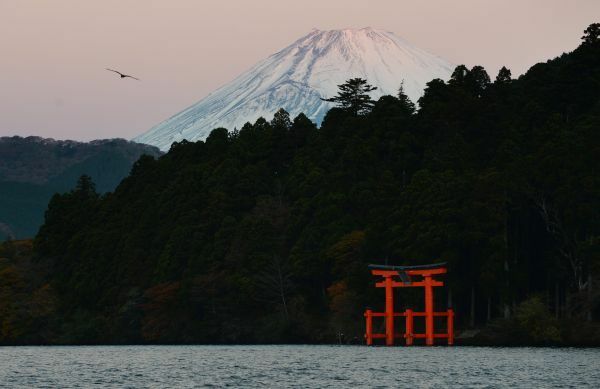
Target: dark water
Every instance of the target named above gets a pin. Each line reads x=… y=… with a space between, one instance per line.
x=297 y=366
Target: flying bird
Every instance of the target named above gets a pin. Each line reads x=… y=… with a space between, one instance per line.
x=122 y=75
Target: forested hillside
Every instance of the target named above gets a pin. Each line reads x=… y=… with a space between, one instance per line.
x=264 y=234
x=32 y=169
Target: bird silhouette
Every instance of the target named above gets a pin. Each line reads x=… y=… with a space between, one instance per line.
x=122 y=75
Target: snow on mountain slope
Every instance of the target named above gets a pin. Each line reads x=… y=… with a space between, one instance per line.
x=298 y=76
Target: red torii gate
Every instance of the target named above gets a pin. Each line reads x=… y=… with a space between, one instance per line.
x=405 y=274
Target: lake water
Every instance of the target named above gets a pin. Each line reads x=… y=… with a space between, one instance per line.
x=297 y=366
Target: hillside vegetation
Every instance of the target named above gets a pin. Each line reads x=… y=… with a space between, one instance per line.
x=32 y=169
x=264 y=234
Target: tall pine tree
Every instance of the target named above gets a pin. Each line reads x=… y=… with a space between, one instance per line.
x=353 y=96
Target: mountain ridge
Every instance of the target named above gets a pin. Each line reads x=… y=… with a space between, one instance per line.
x=33 y=169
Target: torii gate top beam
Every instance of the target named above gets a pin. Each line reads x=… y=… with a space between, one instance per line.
x=406 y=272
x=405 y=268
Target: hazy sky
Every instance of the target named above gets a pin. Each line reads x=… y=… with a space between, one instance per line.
x=53 y=53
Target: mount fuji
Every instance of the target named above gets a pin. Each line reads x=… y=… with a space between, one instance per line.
x=297 y=77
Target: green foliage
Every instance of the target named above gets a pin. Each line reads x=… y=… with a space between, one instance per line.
x=533 y=318
x=32 y=169
x=281 y=120
x=534 y=324
x=28 y=303
x=263 y=234
x=353 y=96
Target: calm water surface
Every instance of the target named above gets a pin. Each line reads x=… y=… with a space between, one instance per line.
x=297 y=366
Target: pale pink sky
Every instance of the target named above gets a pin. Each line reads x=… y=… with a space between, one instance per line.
x=53 y=53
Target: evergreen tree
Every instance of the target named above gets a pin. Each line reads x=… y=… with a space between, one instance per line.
x=281 y=120
x=479 y=79
x=407 y=105
x=591 y=34
x=85 y=187
x=504 y=76
x=301 y=121
x=353 y=96
x=459 y=76
x=475 y=81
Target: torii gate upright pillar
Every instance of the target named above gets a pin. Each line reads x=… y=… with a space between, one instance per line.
x=428 y=310
x=389 y=312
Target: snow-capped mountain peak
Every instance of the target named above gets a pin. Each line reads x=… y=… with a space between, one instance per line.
x=297 y=77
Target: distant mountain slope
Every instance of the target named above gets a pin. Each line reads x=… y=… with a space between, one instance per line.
x=32 y=169
x=297 y=77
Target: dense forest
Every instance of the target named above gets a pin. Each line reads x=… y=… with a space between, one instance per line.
x=264 y=234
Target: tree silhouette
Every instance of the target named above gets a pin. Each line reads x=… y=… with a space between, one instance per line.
x=85 y=186
x=591 y=34
x=407 y=105
x=353 y=96
x=281 y=120
x=504 y=76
